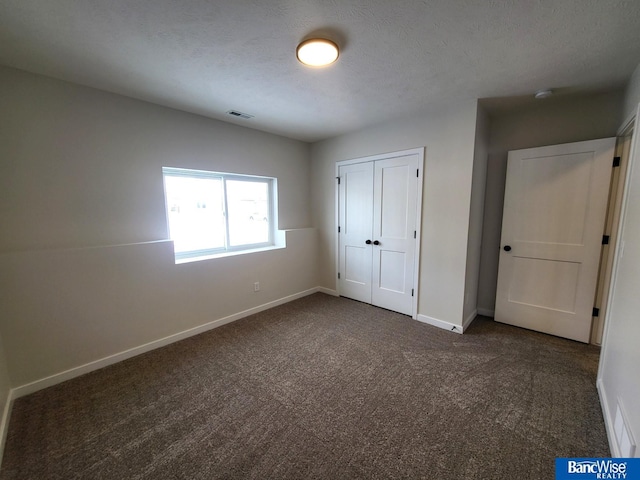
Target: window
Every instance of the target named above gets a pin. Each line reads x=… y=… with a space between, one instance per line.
x=211 y=213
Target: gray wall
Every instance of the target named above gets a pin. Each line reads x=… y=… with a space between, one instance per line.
x=546 y=122
x=86 y=271
x=82 y=167
x=618 y=379
x=449 y=137
x=5 y=387
x=632 y=95
x=476 y=216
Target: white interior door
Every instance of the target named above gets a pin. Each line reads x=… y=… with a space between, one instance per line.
x=377 y=229
x=394 y=227
x=553 y=220
x=355 y=228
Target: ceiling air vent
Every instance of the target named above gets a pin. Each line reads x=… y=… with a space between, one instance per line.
x=238 y=114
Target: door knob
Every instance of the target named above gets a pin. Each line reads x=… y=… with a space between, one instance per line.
x=368 y=242
x=507 y=248
x=376 y=242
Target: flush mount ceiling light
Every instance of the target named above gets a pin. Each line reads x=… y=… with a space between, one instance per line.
x=317 y=52
x=545 y=93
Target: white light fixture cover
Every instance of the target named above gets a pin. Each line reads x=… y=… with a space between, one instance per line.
x=317 y=52
x=545 y=93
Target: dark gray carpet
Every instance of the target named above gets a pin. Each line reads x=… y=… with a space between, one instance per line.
x=323 y=388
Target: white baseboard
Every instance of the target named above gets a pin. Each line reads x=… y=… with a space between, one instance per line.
x=608 y=421
x=486 y=312
x=46 y=382
x=328 y=291
x=4 y=423
x=448 y=325
x=467 y=321
x=440 y=323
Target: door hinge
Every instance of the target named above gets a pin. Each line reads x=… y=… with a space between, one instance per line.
x=418 y=173
x=605 y=239
x=338 y=229
x=596 y=312
x=414 y=234
x=616 y=162
x=412 y=292
x=338 y=178
x=338 y=275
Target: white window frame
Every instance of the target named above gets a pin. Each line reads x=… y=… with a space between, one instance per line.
x=227 y=249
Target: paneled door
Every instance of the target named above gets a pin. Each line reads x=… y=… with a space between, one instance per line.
x=553 y=220
x=378 y=230
x=355 y=230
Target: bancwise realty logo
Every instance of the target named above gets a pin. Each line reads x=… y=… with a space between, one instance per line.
x=597 y=468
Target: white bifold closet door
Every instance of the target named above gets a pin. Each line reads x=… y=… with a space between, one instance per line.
x=377 y=222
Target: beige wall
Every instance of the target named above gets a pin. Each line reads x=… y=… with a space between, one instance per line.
x=476 y=215
x=5 y=388
x=82 y=167
x=67 y=308
x=449 y=139
x=618 y=379
x=546 y=122
x=84 y=270
x=632 y=95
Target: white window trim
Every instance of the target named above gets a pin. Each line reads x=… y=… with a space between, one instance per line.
x=205 y=254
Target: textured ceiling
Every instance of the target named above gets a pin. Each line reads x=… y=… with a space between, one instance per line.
x=398 y=57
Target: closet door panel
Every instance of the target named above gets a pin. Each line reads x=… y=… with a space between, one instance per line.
x=394 y=224
x=355 y=224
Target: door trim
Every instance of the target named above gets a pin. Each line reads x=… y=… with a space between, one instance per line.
x=614 y=210
x=605 y=353
x=420 y=151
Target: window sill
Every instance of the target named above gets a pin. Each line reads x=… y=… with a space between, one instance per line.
x=200 y=258
x=280 y=243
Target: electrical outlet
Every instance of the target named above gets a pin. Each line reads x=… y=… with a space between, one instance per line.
x=256 y=287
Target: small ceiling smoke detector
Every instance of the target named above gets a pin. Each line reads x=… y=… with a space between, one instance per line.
x=317 y=52
x=238 y=114
x=545 y=93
